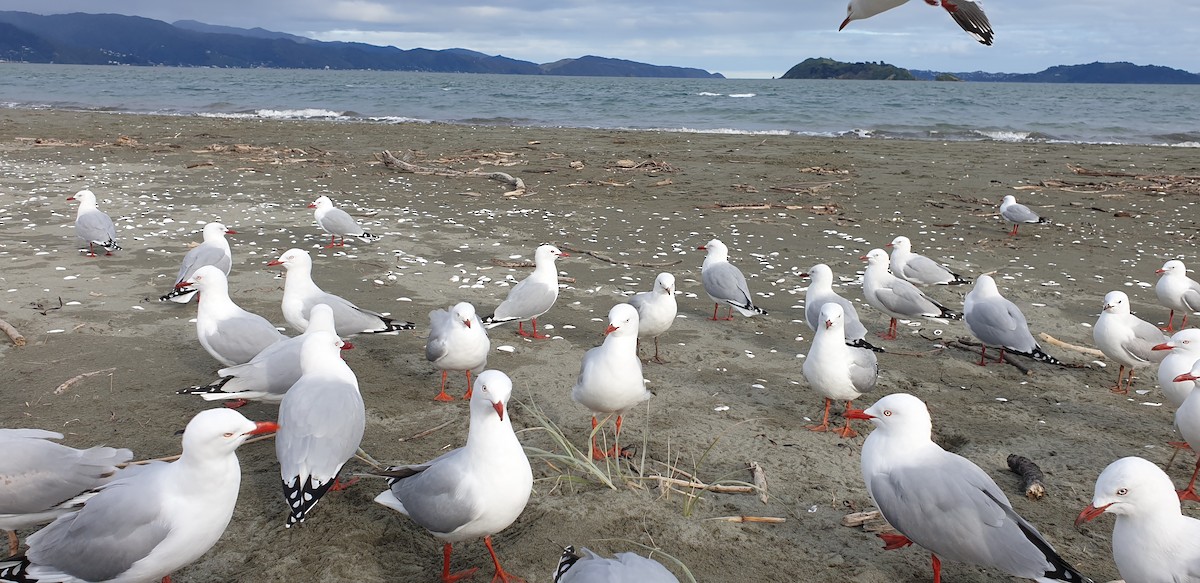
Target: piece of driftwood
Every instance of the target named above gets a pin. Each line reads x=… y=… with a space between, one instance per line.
x=758 y=477
x=973 y=347
x=664 y=480
x=1031 y=476
x=1059 y=343
x=817 y=209
x=603 y=257
x=860 y=518
x=12 y=333
x=516 y=185
x=66 y=385
x=1111 y=174
x=426 y=432
x=758 y=519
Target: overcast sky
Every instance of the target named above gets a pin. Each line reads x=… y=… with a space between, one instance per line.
x=750 y=38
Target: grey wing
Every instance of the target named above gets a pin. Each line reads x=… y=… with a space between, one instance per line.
x=338 y=222
x=440 y=322
x=904 y=298
x=1019 y=213
x=726 y=282
x=241 y=339
x=864 y=369
x=527 y=299
x=38 y=474
x=273 y=370
x=321 y=426
x=925 y=270
x=592 y=568
x=640 y=300
x=435 y=498
x=348 y=318
x=957 y=512
x=969 y=15
x=201 y=256
x=114 y=529
x=95 y=227
x=999 y=322
x=1191 y=297
x=1147 y=336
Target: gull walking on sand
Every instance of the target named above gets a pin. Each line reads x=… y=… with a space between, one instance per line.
x=1125 y=338
x=820 y=292
x=149 y=521
x=322 y=419
x=458 y=342
x=230 y=334
x=588 y=567
x=532 y=296
x=896 y=297
x=919 y=269
x=1177 y=292
x=967 y=13
x=1187 y=423
x=300 y=294
x=1013 y=212
x=1183 y=350
x=1151 y=540
x=338 y=223
x=474 y=491
x=610 y=376
x=656 y=310
x=93 y=226
x=944 y=503
x=725 y=283
x=835 y=370
x=213 y=250
x=271 y=372
x=41 y=477
x=999 y=323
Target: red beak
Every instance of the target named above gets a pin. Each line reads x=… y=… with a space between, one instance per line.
x=274 y=262
x=1155 y=271
x=564 y=254
x=183 y=284
x=1089 y=513
x=610 y=329
x=1187 y=376
x=70 y=198
x=231 y=232
x=702 y=248
x=1163 y=346
x=888 y=245
x=312 y=205
x=864 y=257
x=264 y=427
x=857 y=414
x=467 y=322
x=828 y=323
x=499 y=407
x=805 y=274
x=844 y=23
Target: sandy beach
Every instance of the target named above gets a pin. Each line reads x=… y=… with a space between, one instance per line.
x=626 y=205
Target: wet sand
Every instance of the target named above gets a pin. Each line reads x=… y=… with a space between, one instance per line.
x=731 y=393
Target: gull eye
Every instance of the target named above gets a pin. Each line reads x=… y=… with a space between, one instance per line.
x=887 y=413
x=1122 y=491
x=228 y=435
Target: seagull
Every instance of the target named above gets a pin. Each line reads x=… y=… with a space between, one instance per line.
x=474 y=491
x=1152 y=540
x=1016 y=214
x=1177 y=292
x=919 y=269
x=337 y=223
x=967 y=13
x=656 y=310
x=93 y=226
x=322 y=419
x=725 y=283
x=229 y=333
x=214 y=250
x=458 y=342
x=147 y=523
x=943 y=502
x=271 y=372
x=1184 y=351
x=610 y=376
x=835 y=370
x=588 y=567
x=41 y=477
x=820 y=292
x=1126 y=338
x=896 y=297
x=995 y=321
x=300 y=294
x=532 y=296
x=1187 y=423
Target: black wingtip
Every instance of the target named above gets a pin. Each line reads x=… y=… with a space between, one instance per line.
x=862 y=343
x=205 y=389
x=951 y=314
x=16 y=569
x=301 y=497
x=959 y=280
x=1037 y=354
x=565 y=562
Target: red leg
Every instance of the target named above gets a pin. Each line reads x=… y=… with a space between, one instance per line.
x=597 y=453
x=1183 y=324
x=846 y=431
x=332 y=239
x=1170 y=319
x=447 y=576
x=339 y=485
x=521 y=330
x=535 y=332
x=715 y=308
x=1189 y=493
x=657 y=358
x=1117 y=389
x=982 y=355
x=468 y=395
x=442 y=396
x=824 y=426
x=891 y=333
x=729 y=313
x=500 y=575
x=236 y=404
x=1001 y=359
x=1013 y=232
x=937 y=569
x=91 y=252
x=166 y=579
x=892 y=542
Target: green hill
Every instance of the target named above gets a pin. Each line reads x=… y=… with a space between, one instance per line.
x=823 y=68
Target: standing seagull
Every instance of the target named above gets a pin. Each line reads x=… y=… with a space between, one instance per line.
x=995 y=321
x=820 y=292
x=338 y=223
x=145 y=524
x=656 y=310
x=610 y=376
x=41 y=477
x=968 y=14
x=93 y=226
x=1126 y=338
x=458 y=342
x=725 y=283
x=895 y=297
x=1016 y=214
x=474 y=491
x=943 y=502
x=588 y=567
x=300 y=294
x=1152 y=540
x=321 y=421
x=229 y=333
x=532 y=296
x=214 y=250
x=835 y=370
x=1177 y=292
x=919 y=269
x=1183 y=351
x=1187 y=423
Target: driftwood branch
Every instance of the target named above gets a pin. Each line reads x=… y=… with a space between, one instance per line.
x=1031 y=476
x=426 y=432
x=1059 y=343
x=603 y=257
x=516 y=185
x=13 y=334
x=758 y=476
x=1110 y=174
x=66 y=385
x=817 y=209
x=972 y=347
x=758 y=519
x=663 y=480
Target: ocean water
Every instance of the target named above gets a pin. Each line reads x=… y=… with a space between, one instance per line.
x=1167 y=115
